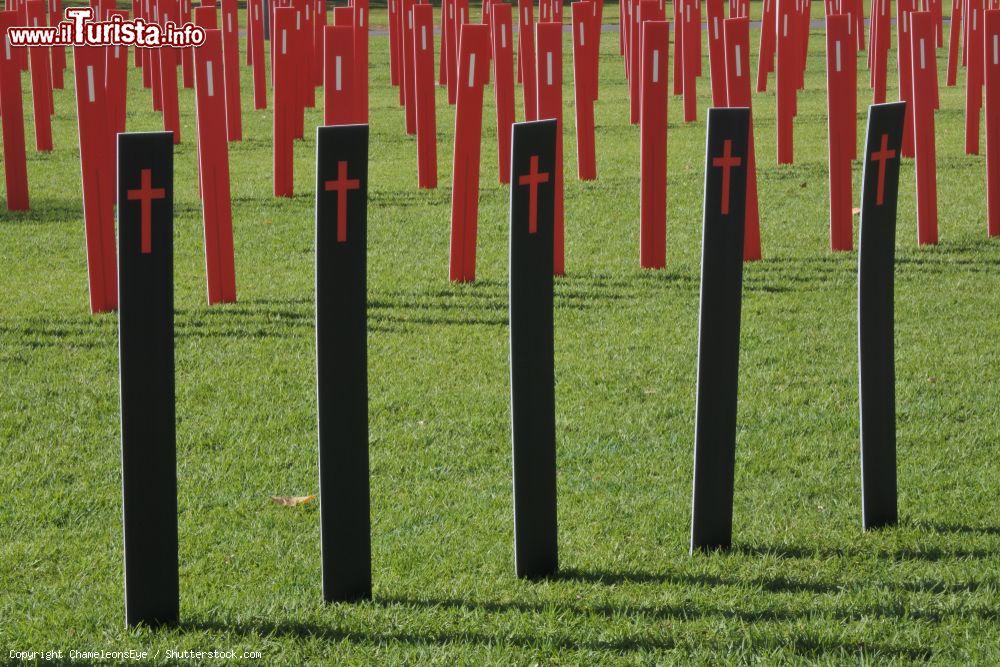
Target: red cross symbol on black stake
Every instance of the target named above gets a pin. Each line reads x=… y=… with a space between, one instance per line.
x=882 y=156
x=145 y=195
x=727 y=162
x=342 y=185
x=533 y=179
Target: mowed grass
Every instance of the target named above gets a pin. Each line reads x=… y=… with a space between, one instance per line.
x=803 y=582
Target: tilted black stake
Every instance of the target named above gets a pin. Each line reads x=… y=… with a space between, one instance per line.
x=719 y=329
x=342 y=359
x=146 y=353
x=532 y=372
x=876 y=255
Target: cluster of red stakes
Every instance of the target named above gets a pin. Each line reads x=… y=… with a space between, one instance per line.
x=307 y=53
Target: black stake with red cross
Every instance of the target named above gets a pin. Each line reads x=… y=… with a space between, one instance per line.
x=532 y=373
x=876 y=348
x=719 y=328
x=342 y=359
x=146 y=349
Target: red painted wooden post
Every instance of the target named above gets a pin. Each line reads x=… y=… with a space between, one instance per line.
x=881 y=42
x=786 y=79
x=11 y=101
x=502 y=37
x=257 y=48
x=548 y=72
x=736 y=38
x=96 y=162
x=423 y=46
x=187 y=55
x=923 y=36
x=839 y=50
x=526 y=58
x=116 y=82
x=231 y=66
x=41 y=84
x=904 y=59
x=460 y=16
x=446 y=66
x=307 y=28
x=594 y=35
x=692 y=58
x=282 y=38
x=58 y=57
x=393 y=19
x=992 y=78
x=319 y=34
x=213 y=156
x=339 y=103
x=583 y=87
x=768 y=43
x=678 y=78
x=361 y=82
x=167 y=61
x=408 y=73
x=155 y=74
x=653 y=145
x=974 y=76
x=716 y=51
x=472 y=74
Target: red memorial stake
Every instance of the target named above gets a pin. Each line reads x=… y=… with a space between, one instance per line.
x=423 y=62
x=116 y=82
x=502 y=36
x=653 y=145
x=678 y=86
x=231 y=67
x=41 y=90
x=716 y=51
x=923 y=39
x=992 y=77
x=526 y=58
x=768 y=37
x=839 y=50
x=58 y=58
x=786 y=79
x=256 y=47
x=881 y=41
x=319 y=34
x=904 y=59
x=472 y=74
x=96 y=162
x=213 y=154
x=954 y=36
x=548 y=72
x=283 y=65
x=736 y=38
x=393 y=20
x=408 y=73
x=974 y=76
x=339 y=103
x=167 y=61
x=692 y=58
x=583 y=89
x=11 y=102
x=361 y=82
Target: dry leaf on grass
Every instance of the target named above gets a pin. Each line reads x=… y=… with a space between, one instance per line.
x=292 y=501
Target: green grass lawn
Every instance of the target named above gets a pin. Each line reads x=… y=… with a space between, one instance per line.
x=802 y=581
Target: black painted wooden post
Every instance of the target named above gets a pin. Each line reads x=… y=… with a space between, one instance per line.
x=719 y=328
x=342 y=359
x=146 y=352
x=532 y=371
x=876 y=355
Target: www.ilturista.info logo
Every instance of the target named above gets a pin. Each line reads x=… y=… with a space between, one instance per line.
x=80 y=29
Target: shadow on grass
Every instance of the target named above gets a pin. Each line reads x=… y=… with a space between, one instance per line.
x=806 y=646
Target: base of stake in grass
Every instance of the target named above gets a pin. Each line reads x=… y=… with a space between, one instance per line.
x=719 y=328
x=876 y=356
x=532 y=373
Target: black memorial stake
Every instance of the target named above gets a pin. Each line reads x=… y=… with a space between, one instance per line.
x=876 y=255
x=342 y=359
x=146 y=352
x=719 y=329
x=532 y=372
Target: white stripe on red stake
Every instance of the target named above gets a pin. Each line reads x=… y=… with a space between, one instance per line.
x=715 y=26
x=90 y=82
x=423 y=38
x=284 y=42
x=923 y=61
x=656 y=65
x=337 y=81
x=472 y=68
x=837 y=64
x=739 y=65
x=581 y=36
x=209 y=79
x=548 y=68
x=503 y=36
x=995 y=55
